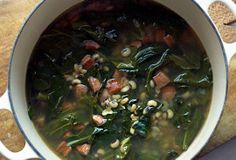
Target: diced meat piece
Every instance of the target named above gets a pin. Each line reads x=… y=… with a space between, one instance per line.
x=83 y=149
x=67 y=134
x=90 y=44
x=117 y=74
x=114 y=86
x=80 y=90
x=63 y=148
x=159 y=35
x=168 y=93
x=79 y=127
x=95 y=84
x=87 y=62
x=105 y=94
x=98 y=120
x=67 y=105
x=136 y=44
x=161 y=79
x=169 y=40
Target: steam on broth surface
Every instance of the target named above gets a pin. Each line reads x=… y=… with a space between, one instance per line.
x=119 y=80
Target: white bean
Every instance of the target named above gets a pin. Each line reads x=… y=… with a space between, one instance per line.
x=133 y=84
x=133 y=108
x=158 y=114
x=96 y=56
x=113 y=104
x=116 y=96
x=77 y=67
x=133 y=117
x=126 y=52
x=131 y=130
x=107 y=112
x=170 y=114
x=100 y=151
x=115 y=144
x=124 y=101
x=152 y=103
x=125 y=89
x=76 y=81
x=151 y=83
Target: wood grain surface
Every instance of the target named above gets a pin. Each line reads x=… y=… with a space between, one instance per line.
x=12 y=15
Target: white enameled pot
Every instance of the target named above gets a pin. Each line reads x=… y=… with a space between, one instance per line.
x=194 y=12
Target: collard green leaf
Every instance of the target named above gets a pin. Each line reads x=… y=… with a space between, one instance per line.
x=99 y=34
x=149 y=51
x=129 y=68
x=183 y=62
x=192 y=56
x=188 y=79
x=68 y=119
x=40 y=84
x=85 y=136
x=58 y=90
x=186 y=137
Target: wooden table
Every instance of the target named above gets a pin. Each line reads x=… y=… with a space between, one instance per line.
x=12 y=15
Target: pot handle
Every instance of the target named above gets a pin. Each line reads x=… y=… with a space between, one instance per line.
x=26 y=152
x=230 y=48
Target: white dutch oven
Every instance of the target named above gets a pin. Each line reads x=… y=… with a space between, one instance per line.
x=194 y=12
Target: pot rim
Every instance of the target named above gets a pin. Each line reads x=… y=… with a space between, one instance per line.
x=14 y=49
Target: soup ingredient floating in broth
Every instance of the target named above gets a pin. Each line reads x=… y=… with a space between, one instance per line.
x=119 y=80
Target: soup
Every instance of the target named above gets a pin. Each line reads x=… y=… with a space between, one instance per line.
x=119 y=80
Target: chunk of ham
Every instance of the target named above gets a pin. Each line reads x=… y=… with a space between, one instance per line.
x=80 y=90
x=169 y=40
x=63 y=148
x=161 y=79
x=87 y=62
x=94 y=83
x=98 y=120
x=90 y=44
x=83 y=149
x=168 y=93
x=114 y=86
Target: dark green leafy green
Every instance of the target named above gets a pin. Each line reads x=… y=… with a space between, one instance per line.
x=58 y=90
x=147 y=52
x=53 y=95
x=183 y=62
x=186 y=137
x=188 y=79
x=68 y=119
x=99 y=34
x=40 y=84
x=85 y=136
